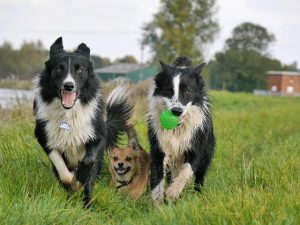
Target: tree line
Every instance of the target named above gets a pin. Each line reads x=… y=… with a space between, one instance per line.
x=24 y=63
x=179 y=28
x=183 y=27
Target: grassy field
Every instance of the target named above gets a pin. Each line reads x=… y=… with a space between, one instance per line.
x=254 y=177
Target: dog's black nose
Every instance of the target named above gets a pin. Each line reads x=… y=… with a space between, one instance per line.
x=120 y=164
x=69 y=86
x=177 y=111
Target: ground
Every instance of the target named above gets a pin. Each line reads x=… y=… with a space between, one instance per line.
x=254 y=177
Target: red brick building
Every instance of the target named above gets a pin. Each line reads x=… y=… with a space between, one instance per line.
x=284 y=82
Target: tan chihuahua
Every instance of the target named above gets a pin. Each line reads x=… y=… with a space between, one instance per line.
x=130 y=166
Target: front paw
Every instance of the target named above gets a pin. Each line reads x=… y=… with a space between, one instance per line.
x=173 y=192
x=158 y=197
x=75 y=184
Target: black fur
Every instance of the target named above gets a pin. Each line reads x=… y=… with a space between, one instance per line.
x=202 y=142
x=116 y=121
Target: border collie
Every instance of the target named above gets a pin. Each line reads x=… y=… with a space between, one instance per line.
x=73 y=126
x=178 y=154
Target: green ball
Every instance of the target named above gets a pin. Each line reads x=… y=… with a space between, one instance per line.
x=168 y=120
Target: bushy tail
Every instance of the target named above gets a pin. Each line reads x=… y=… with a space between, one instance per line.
x=119 y=111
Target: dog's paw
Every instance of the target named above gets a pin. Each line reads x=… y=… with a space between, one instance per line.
x=88 y=161
x=75 y=184
x=173 y=192
x=158 y=194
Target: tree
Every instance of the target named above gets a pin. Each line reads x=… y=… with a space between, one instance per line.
x=252 y=37
x=245 y=60
x=242 y=70
x=126 y=59
x=99 y=61
x=181 y=27
x=7 y=60
x=31 y=58
x=23 y=63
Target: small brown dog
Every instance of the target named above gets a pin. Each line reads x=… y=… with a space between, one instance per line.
x=130 y=166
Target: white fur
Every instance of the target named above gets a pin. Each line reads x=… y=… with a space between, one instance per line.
x=157 y=193
x=64 y=174
x=69 y=77
x=176 y=82
x=185 y=174
x=119 y=94
x=70 y=142
x=175 y=142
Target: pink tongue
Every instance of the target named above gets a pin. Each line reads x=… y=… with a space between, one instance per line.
x=68 y=99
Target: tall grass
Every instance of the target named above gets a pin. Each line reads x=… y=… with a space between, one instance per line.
x=16 y=84
x=254 y=177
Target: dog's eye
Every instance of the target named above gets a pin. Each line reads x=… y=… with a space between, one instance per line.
x=128 y=158
x=115 y=158
x=187 y=92
x=58 y=69
x=80 y=70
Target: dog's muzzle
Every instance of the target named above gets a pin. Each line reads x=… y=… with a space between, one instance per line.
x=177 y=111
x=68 y=95
x=122 y=170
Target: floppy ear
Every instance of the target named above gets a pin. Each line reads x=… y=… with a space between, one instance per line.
x=57 y=47
x=199 y=68
x=83 y=50
x=166 y=67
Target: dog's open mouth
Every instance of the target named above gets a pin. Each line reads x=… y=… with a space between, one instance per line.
x=68 y=99
x=122 y=171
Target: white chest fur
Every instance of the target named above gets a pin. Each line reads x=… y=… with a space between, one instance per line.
x=175 y=142
x=70 y=141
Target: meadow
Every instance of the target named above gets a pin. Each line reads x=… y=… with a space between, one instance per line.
x=254 y=177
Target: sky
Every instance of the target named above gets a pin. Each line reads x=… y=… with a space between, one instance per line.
x=113 y=28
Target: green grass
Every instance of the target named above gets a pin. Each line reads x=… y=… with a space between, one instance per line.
x=254 y=177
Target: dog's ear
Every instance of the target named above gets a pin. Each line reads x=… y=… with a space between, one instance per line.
x=166 y=67
x=199 y=68
x=57 y=47
x=83 y=50
x=134 y=144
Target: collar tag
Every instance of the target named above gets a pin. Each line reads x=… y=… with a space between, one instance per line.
x=65 y=126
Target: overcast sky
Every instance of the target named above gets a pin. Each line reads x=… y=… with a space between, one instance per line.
x=112 y=28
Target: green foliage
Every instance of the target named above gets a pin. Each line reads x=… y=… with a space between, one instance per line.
x=251 y=37
x=126 y=59
x=99 y=61
x=253 y=179
x=241 y=70
x=244 y=62
x=179 y=28
x=26 y=62
x=22 y=63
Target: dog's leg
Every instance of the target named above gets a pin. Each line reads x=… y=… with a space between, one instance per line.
x=179 y=182
x=157 y=168
x=157 y=178
x=199 y=180
x=63 y=172
x=200 y=170
x=64 y=175
x=90 y=166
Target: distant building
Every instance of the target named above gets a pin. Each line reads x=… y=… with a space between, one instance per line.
x=132 y=71
x=283 y=82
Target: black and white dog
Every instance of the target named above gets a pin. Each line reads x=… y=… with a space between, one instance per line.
x=187 y=150
x=73 y=126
